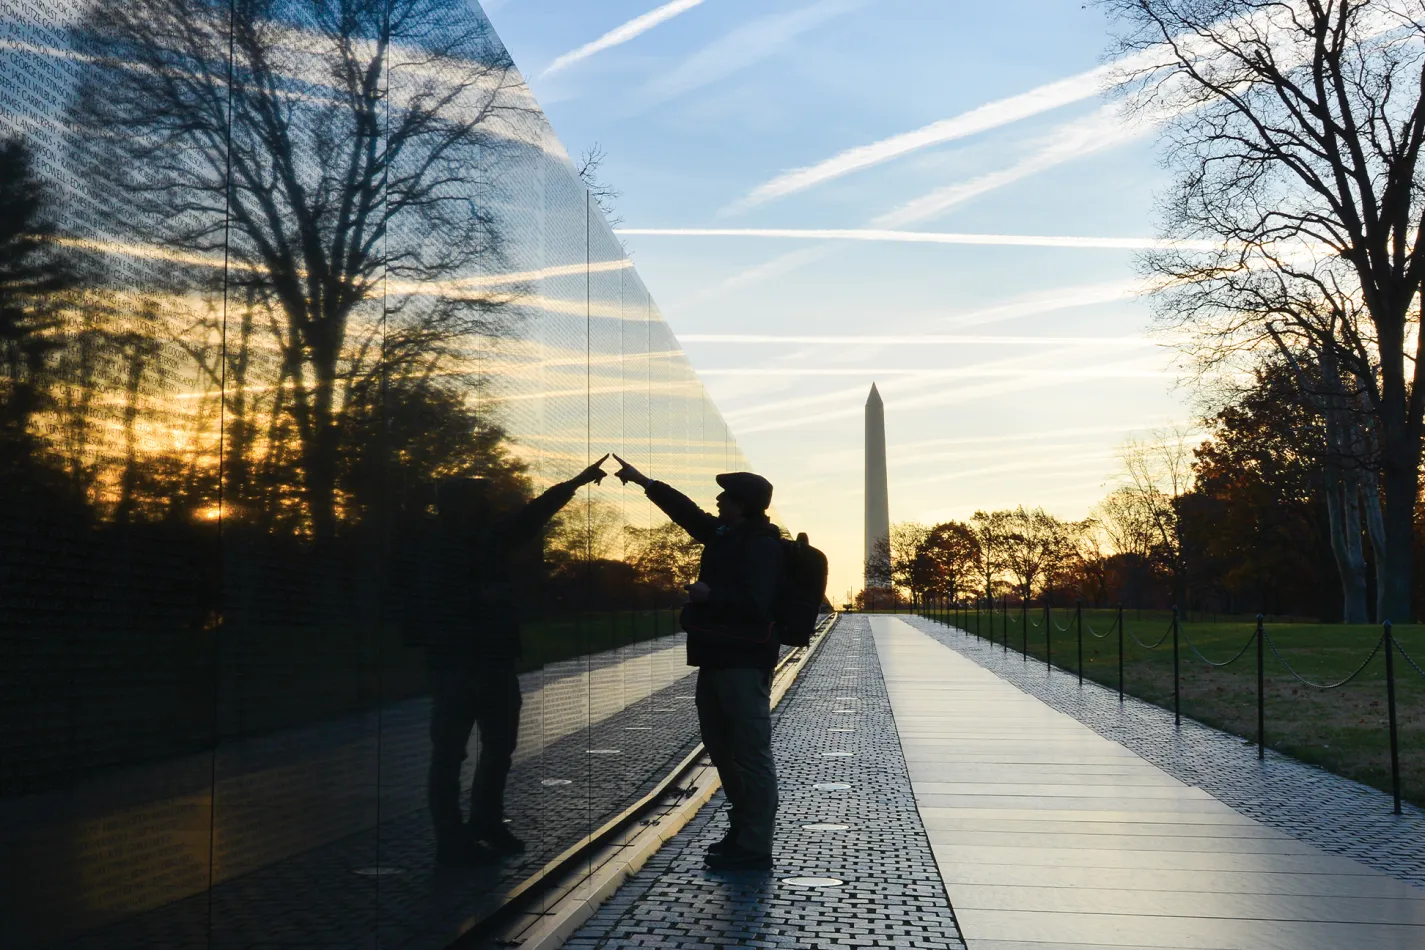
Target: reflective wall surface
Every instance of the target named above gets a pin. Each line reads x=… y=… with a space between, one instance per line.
x=304 y=319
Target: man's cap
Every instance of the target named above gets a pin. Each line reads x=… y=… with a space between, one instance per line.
x=753 y=491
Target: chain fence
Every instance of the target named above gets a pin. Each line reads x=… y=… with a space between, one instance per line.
x=1323 y=686
x=1250 y=640
x=1134 y=637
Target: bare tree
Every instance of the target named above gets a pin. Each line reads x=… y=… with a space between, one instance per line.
x=1092 y=552
x=880 y=570
x=953 y=554
x=605 y=195
x=33 y=271
x=991 y=530
x=1297 y=142
x=664 y=556
x=1158 y=473
x=333 y=160
x=1036 y=546
x=907 y=542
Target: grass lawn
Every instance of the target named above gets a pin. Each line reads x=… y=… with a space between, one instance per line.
x=1344 y=730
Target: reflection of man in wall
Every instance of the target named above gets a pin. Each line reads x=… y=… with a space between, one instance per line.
x=731 y=641
x=472 y=661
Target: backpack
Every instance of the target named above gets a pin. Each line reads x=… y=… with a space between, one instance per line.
x=801 y=590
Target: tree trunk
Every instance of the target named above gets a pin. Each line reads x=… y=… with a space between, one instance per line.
x=1343 y=514
x=321 y=462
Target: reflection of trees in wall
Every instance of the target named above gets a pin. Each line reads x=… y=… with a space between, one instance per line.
x=664 y=556
x=340 y=164
x=33 y=272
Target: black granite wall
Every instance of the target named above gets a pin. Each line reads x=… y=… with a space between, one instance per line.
x=270 y=274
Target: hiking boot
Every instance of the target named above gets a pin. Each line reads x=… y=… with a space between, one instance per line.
x=499 y=840
x=735 y=857
x=721 y=845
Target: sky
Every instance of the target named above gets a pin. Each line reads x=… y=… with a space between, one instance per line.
x=931 y=195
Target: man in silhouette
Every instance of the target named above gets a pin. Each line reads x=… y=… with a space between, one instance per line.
x=472 y=657
x=732 y=642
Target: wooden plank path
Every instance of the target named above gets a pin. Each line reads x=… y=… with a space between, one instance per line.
x=1051 y=837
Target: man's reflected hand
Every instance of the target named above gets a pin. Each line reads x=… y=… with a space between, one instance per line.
x=627 y=473
x=699 y=593
x=594 y=473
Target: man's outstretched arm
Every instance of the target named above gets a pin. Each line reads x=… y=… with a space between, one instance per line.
x=681 y=509
x=530 y=520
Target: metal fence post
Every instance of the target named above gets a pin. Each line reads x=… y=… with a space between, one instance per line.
x=1024 y=629
x=1079 y=619
x=1177 y=691
x=1390 y=699
x=1048 y=637
x=1261 y=693
x=1120 y=653
x=1004 y=620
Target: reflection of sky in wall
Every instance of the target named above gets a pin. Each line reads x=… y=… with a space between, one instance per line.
x=588 y=338
x=972 y=126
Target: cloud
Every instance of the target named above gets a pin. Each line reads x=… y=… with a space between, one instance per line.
x=1058 y=463
x=1024 y=305
x=961 y=372
x=927 y=237
x=991 y=115
x=1001 y=112
x=1048 y=434
x=1050 y=300
x=1015 y=371
x=742 y=47
x=938 y=395
x=915 y=340
x=622 y=34
x=1104 y=128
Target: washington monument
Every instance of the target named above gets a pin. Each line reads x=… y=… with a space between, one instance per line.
x=878 y=513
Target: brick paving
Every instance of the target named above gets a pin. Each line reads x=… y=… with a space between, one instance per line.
x=892 y=895
x=1336 y=814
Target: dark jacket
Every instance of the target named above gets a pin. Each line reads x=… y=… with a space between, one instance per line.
x=741 y=564
x=474 y=580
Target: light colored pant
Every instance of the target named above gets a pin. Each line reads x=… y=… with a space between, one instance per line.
x=734 y=714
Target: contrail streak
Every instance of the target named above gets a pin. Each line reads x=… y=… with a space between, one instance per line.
x=948 y=373
x=928 y=237
x=991 y=115
x=916 y=340
x=622 y=34
x=1102 y=129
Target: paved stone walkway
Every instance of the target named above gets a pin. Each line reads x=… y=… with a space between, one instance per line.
x=891 y=894
x=1307 y=802
x=1050 y=835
